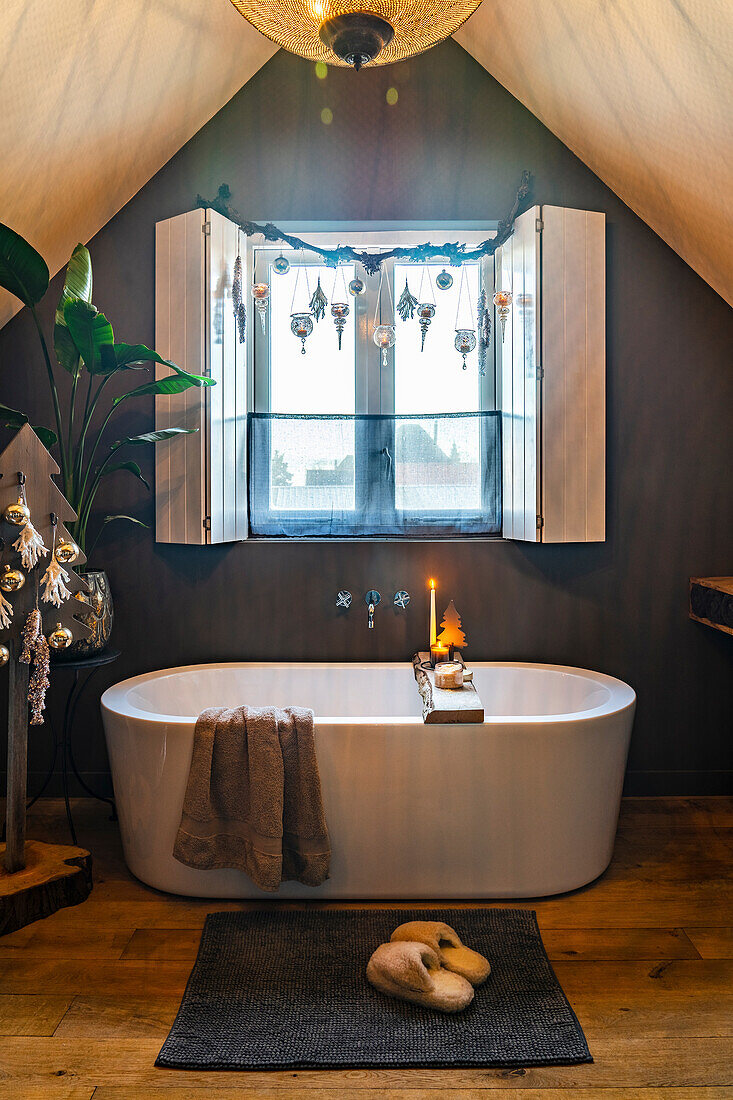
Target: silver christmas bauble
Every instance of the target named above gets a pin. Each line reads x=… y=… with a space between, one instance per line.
x=444 y=281
x=4 y=655
x=281 y=265
x=356 y=286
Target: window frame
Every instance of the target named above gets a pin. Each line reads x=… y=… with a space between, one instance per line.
x=374 y=391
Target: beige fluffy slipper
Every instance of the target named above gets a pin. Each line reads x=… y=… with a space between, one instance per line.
x=447 y=946
x=412 y=972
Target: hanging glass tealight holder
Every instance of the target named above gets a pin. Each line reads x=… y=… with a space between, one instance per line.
x=384 y=335
x=503 y=303
x=426 y=308
x=465 y=339
x=384 y=338
x=464 y=343
x=301 y=325
x=301 y=321
x=261 y=295
x=339 y=309
x=339 y=312
x=426 y=312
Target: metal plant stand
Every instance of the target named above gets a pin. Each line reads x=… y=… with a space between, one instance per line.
x=62 y=744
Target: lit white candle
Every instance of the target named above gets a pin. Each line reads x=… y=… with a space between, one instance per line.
x=433 y=627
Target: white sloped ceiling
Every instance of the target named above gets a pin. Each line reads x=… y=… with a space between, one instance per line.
x=96 y=96
x=642 y=92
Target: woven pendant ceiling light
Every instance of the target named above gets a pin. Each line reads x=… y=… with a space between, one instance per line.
x=344 y=34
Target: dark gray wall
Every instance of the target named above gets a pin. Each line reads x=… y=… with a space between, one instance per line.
x=453 y=147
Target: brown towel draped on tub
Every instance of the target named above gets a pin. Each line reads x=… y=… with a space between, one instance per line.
x=253 y=800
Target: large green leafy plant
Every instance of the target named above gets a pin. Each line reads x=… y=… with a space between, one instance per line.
x=84 y=347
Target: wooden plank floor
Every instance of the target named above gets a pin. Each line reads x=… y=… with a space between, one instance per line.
x=645 y=956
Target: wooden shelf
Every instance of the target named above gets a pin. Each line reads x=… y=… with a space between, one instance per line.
x=711 y=602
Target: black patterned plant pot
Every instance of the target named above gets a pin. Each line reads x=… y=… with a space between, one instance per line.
x=99 y=619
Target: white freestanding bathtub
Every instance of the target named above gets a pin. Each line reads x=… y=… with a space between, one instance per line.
x=524 y=805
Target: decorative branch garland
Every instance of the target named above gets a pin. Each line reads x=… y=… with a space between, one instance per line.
x=454 y=254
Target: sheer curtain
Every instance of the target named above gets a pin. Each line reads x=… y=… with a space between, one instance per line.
x=364 y=475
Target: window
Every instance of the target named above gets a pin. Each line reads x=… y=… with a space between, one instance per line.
x=344 y=443
x=377 y=456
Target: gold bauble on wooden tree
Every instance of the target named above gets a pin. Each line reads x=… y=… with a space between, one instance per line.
x=37 y=612
x=17 y=513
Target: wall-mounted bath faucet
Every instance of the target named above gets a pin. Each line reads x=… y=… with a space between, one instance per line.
x=372 y=600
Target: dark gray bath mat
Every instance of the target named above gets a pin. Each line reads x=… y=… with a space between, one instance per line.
x=286 y=990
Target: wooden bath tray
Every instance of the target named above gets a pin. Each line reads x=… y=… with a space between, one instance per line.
x=440 y=706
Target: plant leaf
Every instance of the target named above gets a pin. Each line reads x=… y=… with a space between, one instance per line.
x=77 y=281
x=23 y=271
x=90 y=330
x=120 y=356
x=132 y=467
x=130 y=519
x=12 y=418
x=77 y=285
x=154 y=437
x=66 y=354
x=46 y=436
x=174 y=383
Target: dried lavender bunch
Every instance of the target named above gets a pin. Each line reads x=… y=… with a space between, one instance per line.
x=237 y=285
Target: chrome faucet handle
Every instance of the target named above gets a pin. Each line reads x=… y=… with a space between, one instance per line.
x=401 y=599
x=343 y=599
x=372 y=599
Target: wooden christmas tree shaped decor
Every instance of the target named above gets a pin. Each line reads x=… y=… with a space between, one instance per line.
x=452 y=629
x=40 y=599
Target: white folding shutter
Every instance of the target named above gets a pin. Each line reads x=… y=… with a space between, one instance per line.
x=227 y=407
x=574 y=384
x=201 y=478
x=553 y=403
x=180 y=325
x=518 y=272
